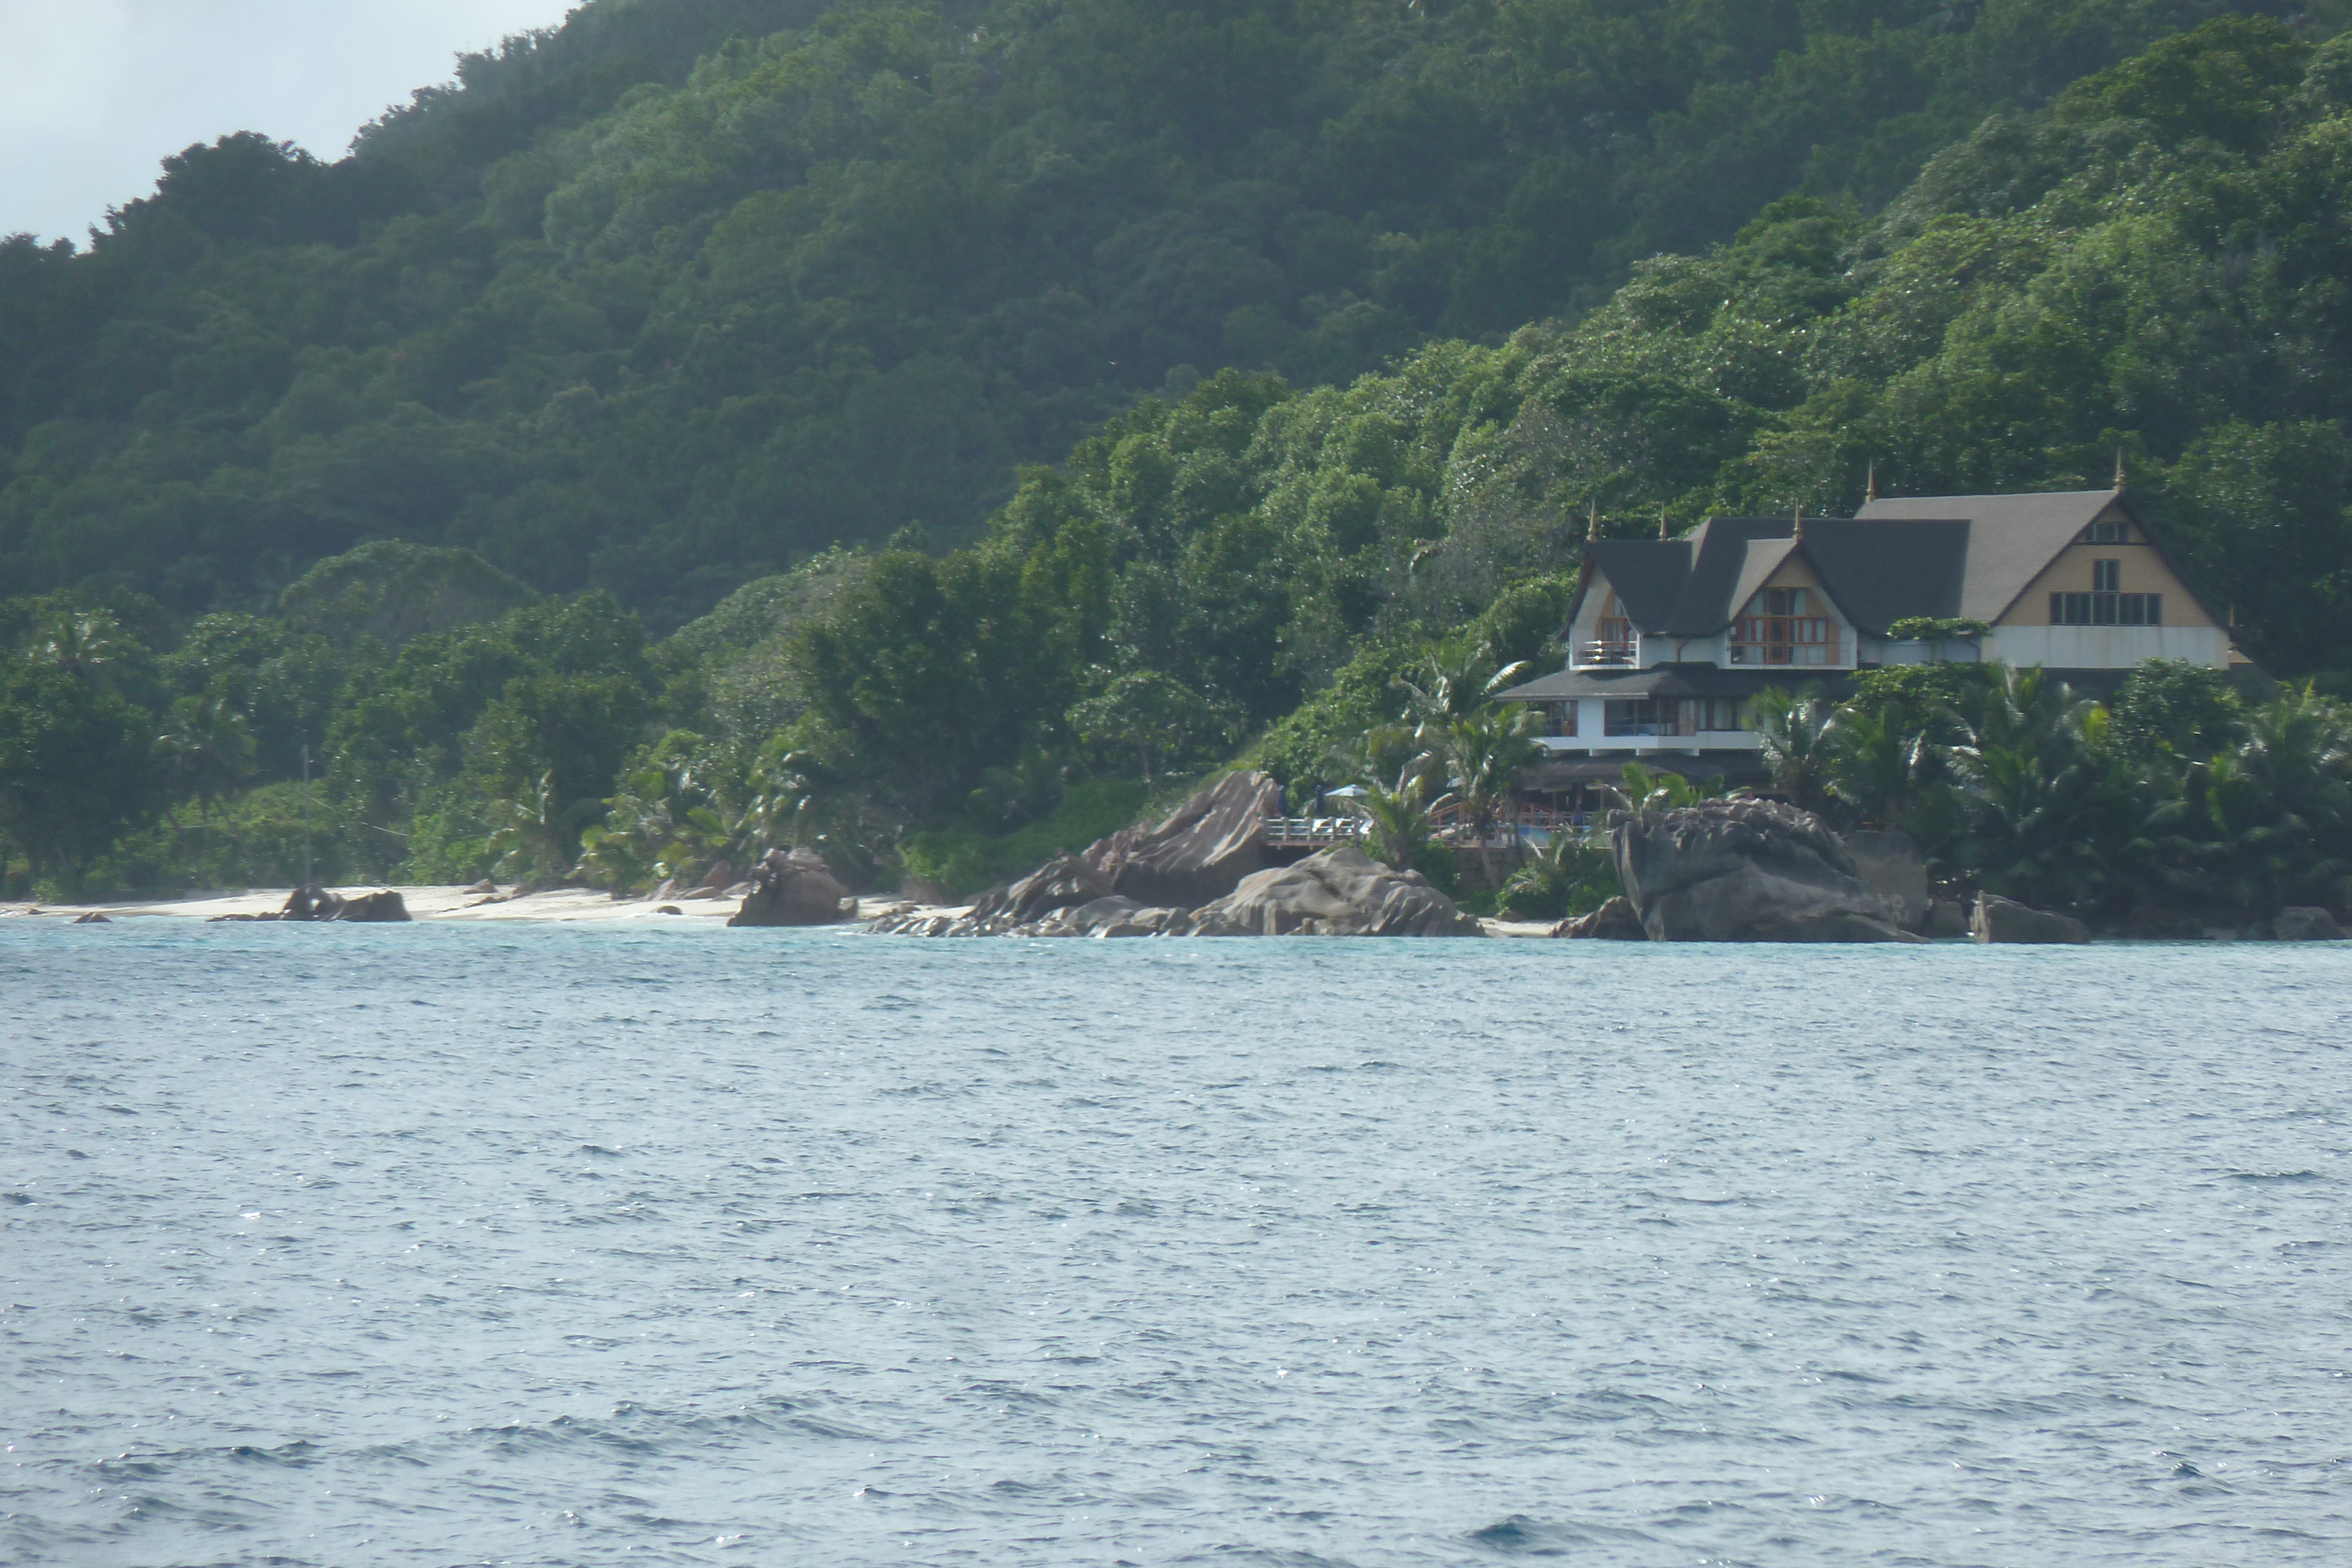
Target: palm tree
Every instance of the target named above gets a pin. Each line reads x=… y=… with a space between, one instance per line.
x=1485 y=752
x=1645 y=788
x=1790 y=734
x=1453 y=681
x=531 y=842
x=1401 y=818
x=81 y=644
x=1876 y=766
x=2049 y=812
x=1571 y=874
x=207 y=749
x=2269 y=822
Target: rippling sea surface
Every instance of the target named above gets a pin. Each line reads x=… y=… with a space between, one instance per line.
x=455 y=1244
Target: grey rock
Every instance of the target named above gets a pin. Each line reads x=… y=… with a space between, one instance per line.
x=2000 y=919
x=1064 y=882
x=1947 y=917
x=1891 y=864
x=2305 y=923
x=1339 y=892
x=1612 y=922
x=790 y=888
x=383 y=905
x=1200 y=852
x=1746 y=870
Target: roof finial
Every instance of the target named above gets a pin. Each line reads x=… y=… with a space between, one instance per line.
x=1796 y=523
x=1871 y=494
x=1592 y=519
x=2119 y=467
x=1663 y=534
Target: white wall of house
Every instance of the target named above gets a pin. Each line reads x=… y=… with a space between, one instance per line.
x=2105 y=647
x=1882 y=651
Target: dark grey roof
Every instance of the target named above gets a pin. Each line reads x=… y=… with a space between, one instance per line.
x=1877 y=571
x=1648 y=576
x=2010 y=537
x=1693 y=680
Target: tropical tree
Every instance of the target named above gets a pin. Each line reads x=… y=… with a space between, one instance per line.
x=2049 y=814
x=207 y=749
x=1878 y=766
x=531 y=841
x=1453 y=681
x=1485 y=752
x=1152 y=716
x=1401 y=818
x=2268 y=823
x=1573 y=873
x=1645 y=788
x=1792 y=737
x=80 y=642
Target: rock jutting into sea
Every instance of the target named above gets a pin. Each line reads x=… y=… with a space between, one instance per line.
x=791 y=887
x=1201 y=872
x=314 y=903
x=2000 y=919
x=1749 y=871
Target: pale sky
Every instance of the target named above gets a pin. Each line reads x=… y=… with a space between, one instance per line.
x=95 y=94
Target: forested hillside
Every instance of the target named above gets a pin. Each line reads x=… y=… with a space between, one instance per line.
x=689 y=290
x=1277 y=564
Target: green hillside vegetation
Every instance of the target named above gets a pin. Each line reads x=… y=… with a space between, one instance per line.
x=1268 y=568
x=689 y=290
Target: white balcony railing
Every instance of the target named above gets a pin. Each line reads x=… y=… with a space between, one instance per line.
x=1605 y=655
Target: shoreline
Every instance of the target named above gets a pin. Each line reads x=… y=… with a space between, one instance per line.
x=560 y=906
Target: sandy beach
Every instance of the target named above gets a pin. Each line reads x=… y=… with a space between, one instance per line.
x=566 y=904
x=423 y=904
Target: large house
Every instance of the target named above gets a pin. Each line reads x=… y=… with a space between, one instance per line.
x=1670 y=640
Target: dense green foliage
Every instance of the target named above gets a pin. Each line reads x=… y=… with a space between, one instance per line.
x=688 y=290
x=2175 y=807
x=386 y=492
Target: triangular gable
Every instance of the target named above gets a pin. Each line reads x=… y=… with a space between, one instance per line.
x=2012 y=539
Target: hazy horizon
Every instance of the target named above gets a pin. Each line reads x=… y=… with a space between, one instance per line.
x=94 y=95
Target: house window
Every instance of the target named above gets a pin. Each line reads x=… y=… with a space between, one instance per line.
x=1638 y=716
x=1783 y=626
x=1714 y=713
x=2106 y=607
x=2109 y=534
x=2107 y=576
x=1561 y=719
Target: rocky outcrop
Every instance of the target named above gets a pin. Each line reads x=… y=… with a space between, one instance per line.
x=2305 y=923
x=1200 y=852
x=1892 y=868
x=1612 y=922
x=1746 y=870
x=383 y=905
x=2000 y=919
x=1112 y=916
x=1339 y=892
x=790 y=888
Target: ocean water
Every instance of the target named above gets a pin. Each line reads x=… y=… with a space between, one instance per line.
x=457 y=1244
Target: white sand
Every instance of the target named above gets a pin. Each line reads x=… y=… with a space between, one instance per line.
x=423 y=904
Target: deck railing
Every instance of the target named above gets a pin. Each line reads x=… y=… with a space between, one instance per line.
x=1311 y=832
x=1604 y=655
